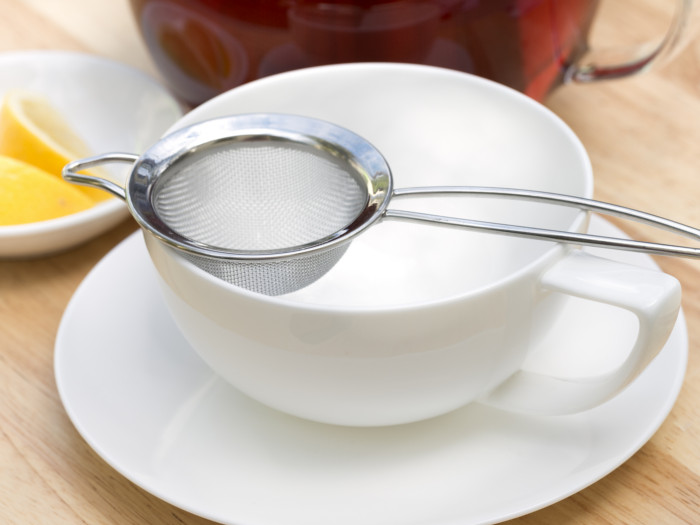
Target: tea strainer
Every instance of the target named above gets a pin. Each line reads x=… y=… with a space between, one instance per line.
x=270 y=202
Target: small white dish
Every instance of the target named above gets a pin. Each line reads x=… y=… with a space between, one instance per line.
x=146 y=403
x=113 y=107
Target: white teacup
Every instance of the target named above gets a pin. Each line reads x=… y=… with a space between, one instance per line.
x=416 y=320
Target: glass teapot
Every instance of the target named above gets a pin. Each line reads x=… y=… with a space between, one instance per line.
x=205 y=47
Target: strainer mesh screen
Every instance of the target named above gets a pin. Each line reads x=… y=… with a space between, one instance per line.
x=272 y=278
x=257 y=196
x=260 y=195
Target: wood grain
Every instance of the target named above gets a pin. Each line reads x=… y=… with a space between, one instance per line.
x=643 y=136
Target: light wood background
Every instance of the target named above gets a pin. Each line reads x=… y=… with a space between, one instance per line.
x=643 y=136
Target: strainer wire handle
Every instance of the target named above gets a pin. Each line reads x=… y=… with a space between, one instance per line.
x=553 y=235
x=70 y=172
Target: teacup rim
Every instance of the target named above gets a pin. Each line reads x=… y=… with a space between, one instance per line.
x=546 y=258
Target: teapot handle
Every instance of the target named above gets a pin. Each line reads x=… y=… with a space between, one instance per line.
x=593 y=66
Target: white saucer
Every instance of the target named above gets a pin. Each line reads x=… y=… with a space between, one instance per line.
x=145 y=403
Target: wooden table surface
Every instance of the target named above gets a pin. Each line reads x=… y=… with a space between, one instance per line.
x=643 y=136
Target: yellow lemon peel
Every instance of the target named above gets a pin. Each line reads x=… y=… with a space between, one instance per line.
x=28 y=194
x=32 y=130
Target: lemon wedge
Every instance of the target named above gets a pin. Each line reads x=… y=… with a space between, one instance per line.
x=28 y=194
x=32 y=130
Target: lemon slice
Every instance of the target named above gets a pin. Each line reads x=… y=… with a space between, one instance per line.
x=34 y=131
x=28 y=194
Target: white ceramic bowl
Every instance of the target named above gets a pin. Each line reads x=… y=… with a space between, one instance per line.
x=113 y=107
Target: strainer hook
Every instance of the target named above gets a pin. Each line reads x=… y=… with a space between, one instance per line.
x=72 y=169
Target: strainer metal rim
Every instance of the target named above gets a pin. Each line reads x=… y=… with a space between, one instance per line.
x=368 y=162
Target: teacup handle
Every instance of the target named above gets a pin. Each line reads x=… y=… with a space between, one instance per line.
x=593 y=65
x=653 y=296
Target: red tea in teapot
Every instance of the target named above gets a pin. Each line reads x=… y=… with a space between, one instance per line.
x=204 y=47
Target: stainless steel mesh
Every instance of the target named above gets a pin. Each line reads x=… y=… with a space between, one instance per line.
x=271 y=277
x=260 y=195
